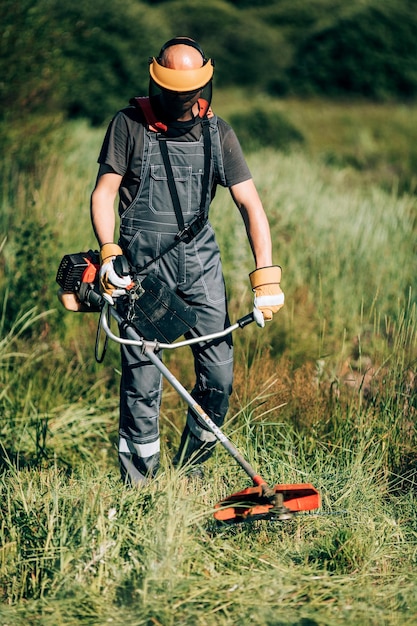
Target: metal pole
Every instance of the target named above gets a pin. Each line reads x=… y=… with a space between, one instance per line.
x=149 y=350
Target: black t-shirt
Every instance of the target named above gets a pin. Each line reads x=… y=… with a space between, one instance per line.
x=122 y=151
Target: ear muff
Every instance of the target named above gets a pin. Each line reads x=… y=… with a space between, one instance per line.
x=181 y=80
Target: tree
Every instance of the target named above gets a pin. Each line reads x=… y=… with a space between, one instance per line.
x=369 y=51
x=32 y=68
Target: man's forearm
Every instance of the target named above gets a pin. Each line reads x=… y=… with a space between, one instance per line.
x=103 y=222
x=102 y=207
x=256 y=222
x=259 y=238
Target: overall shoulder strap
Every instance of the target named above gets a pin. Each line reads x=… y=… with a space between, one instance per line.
x=217 y=152
x=186 y=232
x=202 y=215
x=207 y=164
x=144 y=104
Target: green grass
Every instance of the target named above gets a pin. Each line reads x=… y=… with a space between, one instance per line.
x=74 y=546
x=325 y=394
x=369 y=143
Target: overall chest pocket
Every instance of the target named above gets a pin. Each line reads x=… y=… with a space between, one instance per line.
x=186 y=183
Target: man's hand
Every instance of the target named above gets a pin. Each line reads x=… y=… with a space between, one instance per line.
x=269 y=297
x=110 y=282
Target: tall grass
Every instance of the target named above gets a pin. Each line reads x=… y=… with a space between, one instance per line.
x=347 y=254
x=325 y=394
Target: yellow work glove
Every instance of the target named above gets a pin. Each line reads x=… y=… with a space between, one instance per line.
x=110 y=282
x=269 y=298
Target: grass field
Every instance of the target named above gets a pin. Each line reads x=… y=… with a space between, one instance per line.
x=325 y=394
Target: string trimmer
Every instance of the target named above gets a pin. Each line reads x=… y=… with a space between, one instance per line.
x=158 y=310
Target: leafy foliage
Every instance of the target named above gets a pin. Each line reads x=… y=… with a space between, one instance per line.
x=32 y=66
x=260 y=128
x=367 y=51
x=86 y=60
x=245 y=52
x=31 y=272
x=106 y=50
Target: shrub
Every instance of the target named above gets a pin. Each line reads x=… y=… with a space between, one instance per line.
x=260 y=128
x=369 y=51
x=31 y=271
x=107 y=49
x=31 y=64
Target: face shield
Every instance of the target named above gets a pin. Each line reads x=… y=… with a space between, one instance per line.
x=179 y=90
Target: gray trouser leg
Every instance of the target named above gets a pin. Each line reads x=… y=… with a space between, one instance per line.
x=140 y=395
x=203 y=286
x=214 y=379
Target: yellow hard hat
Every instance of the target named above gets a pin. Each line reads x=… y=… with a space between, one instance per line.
x=181 y=80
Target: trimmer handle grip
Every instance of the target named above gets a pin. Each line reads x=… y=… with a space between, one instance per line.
x=245 y=320
x=121 y=265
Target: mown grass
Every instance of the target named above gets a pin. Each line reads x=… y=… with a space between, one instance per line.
x=325 y=394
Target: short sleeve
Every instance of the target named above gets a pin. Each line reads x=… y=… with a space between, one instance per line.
x=116 y=149
x=235 y=167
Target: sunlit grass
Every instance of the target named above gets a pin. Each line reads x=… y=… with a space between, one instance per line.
x=372 y=143
x=156 y=553
x=325 y=394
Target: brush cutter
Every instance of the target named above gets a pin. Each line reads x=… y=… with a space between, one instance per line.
x=164 y=315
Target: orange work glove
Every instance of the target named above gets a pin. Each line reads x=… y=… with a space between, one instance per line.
x=110 y=282
x=269 y=298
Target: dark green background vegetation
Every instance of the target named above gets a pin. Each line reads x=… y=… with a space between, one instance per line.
x=86 y=58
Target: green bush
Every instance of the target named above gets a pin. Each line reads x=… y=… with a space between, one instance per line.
x=84 y=59
x=369 y=51
x=32 y=68
x=260 y=128
x=107 y=49
x=31 y=271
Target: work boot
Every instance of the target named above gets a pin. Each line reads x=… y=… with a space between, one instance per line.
x=192 y=451
x=195 y=472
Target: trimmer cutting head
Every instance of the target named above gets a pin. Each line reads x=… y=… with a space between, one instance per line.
x=277 y=503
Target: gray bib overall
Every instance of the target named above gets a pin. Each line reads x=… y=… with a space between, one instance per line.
x=147 y=228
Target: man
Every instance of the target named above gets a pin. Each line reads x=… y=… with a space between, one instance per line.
x=163 y=156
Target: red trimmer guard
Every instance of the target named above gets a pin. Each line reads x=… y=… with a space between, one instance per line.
x=251 y=503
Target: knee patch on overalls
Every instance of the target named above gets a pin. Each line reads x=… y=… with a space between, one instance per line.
x=215 y=403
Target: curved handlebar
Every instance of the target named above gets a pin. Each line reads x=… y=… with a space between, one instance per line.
x=141 y=342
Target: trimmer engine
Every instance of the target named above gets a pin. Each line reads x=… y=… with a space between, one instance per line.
x=156 y=311
x=78 y=278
